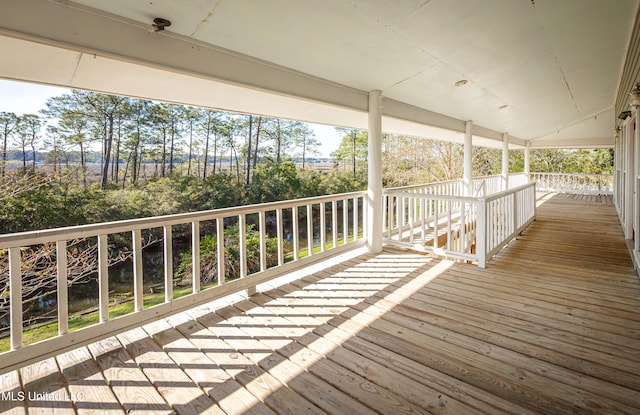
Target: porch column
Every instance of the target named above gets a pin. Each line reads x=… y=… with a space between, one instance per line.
x=374 y=199
x=505 y=161
x=468 y=170
x=527 y=166
x=635 y=107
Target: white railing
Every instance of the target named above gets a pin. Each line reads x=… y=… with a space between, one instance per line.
x=501 y=217
x=330 y=225
x=446 y=188
x=574 y=183
x=466 y=228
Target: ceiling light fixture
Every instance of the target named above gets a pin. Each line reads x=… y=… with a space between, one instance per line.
x=461 y=82
x=159 y=24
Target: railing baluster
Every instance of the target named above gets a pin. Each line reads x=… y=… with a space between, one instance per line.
x=15 y=297
x=345 y=221
x=242 y=241
x=296 y=232
x=423 y=220
x=334 y=223
x=463 y=224
x=309 y=230
x=136 y=235
x=279 y=236
x=220 y=251
x=411 y=214
x=436 y=219
x=263 y=242
x=63 y=289
x=449 y=220
x=356 y=232
x=168 y=263
x=481 y=233
x=323 y=226
x=103 y=277
x=195 y=256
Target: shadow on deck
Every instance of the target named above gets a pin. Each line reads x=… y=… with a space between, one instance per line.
x=552 y=326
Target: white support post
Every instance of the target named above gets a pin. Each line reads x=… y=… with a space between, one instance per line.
x=103 y=277
x=505 y=161
x=481 y=233
x=629 y=179
x=136 y=235
x=527 y=161
x=63 y=289
x=634 y=168
x=468 y=149
x=220 y=252
x=374 y=195
x=168 y=263
x=15 y=297
x=195 y=256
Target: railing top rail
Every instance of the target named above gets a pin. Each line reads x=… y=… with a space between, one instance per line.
x=417 y=186
x=498 y=195
x=468 y=199
x=573 y=174
x=90 y=230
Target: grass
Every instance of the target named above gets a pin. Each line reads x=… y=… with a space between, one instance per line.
x=317 y=249
x=79 y=321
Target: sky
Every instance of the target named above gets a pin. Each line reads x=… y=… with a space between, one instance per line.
x=27 y=98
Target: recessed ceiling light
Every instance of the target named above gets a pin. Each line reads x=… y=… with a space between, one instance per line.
x=501 y=107
x=461 y=82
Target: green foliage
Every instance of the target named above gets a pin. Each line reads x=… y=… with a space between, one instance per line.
x=209 y=255
x=275 y=181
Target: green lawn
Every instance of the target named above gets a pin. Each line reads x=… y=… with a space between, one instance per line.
x=79 y=321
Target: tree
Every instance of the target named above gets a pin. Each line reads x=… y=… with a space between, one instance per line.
x=27 y=133
x=305 y=140
x=207 y=126
x=8 y=124
x=353 y=147
x=104 y=109
x=53 y=141
x=191 y=115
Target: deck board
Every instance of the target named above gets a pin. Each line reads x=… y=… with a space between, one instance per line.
x=551 y=326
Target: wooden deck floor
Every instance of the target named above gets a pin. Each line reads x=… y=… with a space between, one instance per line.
x=552 y=326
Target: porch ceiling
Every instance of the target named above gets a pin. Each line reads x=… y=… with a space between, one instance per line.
x=555 y=65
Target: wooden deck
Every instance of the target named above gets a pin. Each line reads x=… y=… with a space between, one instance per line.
x=552 y=326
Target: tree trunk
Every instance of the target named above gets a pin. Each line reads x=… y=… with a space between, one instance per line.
x=248 y=179
x=4 y=155
x=107 y=151
x=190 y=146
x=353 y=156
x=215 y=151
x=206 y=148
x=172 y=143
x=255 y=151
x=164 y=152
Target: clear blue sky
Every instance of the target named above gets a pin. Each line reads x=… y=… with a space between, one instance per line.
x=27 y=98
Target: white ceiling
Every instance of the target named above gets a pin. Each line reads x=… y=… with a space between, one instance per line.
x=555 y=64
